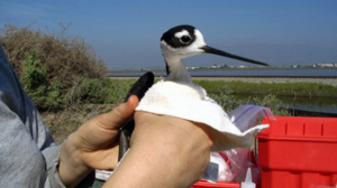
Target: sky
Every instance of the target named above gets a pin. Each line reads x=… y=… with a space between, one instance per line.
x=126 y=34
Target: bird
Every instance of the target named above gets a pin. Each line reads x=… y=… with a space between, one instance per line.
x=176 y=94
x=184 y=41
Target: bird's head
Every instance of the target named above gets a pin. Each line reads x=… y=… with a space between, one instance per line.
x=182 y=41
x=185 y=40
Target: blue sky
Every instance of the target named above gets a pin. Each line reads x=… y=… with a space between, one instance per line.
x=125 y=34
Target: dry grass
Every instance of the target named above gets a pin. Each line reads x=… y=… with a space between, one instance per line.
x=65 y=59
x=63 y=123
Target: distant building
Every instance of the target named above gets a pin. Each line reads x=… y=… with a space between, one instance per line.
x=242 y=66
x=327 y=65
x=215 y=66
x=295 y=66
x=193 y=68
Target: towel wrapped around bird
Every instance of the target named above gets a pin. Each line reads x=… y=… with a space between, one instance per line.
x=191 y=102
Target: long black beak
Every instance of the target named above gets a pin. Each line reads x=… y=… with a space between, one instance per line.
x=211 y=50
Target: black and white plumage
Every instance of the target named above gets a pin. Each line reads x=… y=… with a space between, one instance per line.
x=178 y=96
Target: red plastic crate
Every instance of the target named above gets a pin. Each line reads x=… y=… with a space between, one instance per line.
x=298 y=152
x=205 y=184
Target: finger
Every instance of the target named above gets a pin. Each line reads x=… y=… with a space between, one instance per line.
x=133 y=101
x=119 y=115
x=141 y=85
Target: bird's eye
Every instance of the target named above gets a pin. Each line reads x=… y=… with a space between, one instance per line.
x=185 y=39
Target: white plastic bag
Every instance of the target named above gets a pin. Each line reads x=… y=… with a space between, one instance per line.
x=232 y=164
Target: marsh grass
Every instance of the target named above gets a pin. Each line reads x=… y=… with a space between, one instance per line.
x=63 y=123
x=276 y=93
x=299 y=89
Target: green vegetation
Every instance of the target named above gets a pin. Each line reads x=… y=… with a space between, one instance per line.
x=279 y=89
x=53 y=70
x=98 y=91
x=49 y=66
x=45 y=94
x=65 y=59
x=276 y=93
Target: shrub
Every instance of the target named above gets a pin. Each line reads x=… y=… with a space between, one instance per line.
x=98 y=91
x=46 y=95
x=270 y=101
x=65 y=58
x=49 y=66
x=34 y=75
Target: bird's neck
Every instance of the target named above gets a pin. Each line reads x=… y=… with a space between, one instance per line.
x=176 y=70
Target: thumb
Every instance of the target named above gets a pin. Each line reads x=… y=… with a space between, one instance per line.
x=119 y=115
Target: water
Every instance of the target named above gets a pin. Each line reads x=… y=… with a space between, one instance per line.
x=251 y=72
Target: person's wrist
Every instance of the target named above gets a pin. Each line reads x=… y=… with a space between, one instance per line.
x=71 y=167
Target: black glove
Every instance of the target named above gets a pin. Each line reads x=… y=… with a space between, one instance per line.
x=139 y=88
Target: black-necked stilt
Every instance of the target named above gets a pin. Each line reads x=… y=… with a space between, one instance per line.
x=184 y=41
x=178 y=96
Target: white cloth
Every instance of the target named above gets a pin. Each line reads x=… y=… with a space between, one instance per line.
x=190 y=101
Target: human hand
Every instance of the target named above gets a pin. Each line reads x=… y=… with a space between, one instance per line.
x=165 y=152
x=93 y=145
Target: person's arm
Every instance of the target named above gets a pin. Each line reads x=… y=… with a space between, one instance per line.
x=165 y=152
x=28 y=153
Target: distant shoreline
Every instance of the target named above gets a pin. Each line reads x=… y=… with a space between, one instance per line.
x=326 y=81
x=254 y=73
